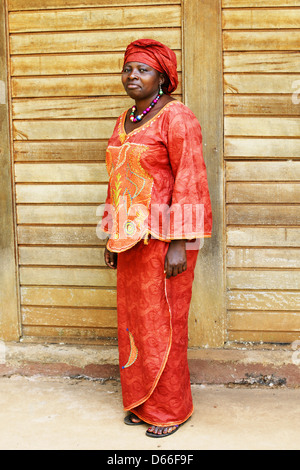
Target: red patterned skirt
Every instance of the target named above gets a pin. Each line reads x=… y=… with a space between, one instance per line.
x=153 y=334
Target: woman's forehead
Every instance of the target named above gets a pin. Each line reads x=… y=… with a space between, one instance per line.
x=137 y=64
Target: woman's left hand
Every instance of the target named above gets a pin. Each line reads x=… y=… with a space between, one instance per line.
x=175 y=261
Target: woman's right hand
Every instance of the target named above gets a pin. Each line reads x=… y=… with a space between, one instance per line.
x=110 y=258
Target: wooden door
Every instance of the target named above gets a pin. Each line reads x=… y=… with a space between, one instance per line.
x=262 y=148
x=64 y=61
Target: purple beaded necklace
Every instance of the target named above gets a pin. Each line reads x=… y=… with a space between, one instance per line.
x=139 y=117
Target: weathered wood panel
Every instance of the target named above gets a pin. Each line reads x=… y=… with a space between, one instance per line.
x=61 y=256
x=91 y=41
x=261 y=279
x=20 y=5
x=271 y=105
x=59 y=215
x=96 y=19
x=61 y=173
x=67 y=276
x=256 y=3
x=263 y=215
x=81 y=150
x=56 y=235
x=263 y=62
x=71 y=64
x=262 y=126
x=263 y=192
x=278 y=40
x=272 y=147
x=279 y=300
x=74 y=317
x=263 y=257
x=69 y=297
x=61 y=193
x=262 y=18
x=64 y=108
x=260 y=83
x=263 y=236
x=105 y=85
x=263 y=171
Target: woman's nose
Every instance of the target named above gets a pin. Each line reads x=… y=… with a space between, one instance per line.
x=133 y=74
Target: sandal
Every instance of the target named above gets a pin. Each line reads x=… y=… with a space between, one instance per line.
x=152 y=434
x=129 y=422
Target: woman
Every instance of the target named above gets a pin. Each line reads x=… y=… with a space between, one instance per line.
x=157 y=203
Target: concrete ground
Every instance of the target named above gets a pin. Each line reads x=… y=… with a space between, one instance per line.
x=42 y=413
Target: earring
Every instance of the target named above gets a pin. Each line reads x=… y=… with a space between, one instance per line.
x=160 y=90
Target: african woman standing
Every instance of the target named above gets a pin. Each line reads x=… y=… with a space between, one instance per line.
x=157 y=203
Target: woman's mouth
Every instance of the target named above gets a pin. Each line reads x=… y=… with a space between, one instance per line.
x=132 y=86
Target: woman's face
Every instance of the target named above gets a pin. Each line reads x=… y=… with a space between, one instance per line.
x=140 y=80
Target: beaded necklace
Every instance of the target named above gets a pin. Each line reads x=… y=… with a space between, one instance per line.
x=139 y=117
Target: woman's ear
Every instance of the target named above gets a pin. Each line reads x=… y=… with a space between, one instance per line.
x=161 y=79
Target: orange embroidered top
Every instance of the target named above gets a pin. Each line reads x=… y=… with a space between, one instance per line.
x=157 y=180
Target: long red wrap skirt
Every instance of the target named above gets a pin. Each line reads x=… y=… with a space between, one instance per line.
x=153 y=334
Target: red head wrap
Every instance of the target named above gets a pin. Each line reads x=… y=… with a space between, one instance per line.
x=158 y=56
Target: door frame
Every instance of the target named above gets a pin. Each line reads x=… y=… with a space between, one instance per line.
x=9 y=279
x=203 y=94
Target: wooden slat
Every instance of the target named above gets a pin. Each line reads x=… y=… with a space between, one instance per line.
x=53 y=4
x=61 y=256
x=61 y=215
x=259 y=83
x=275 y=105
x=71 y=276
x=263 y=257
x=61 y=173
x=38 y=235
x=92 y=41
x=264 y=321
x=263 y=193
x=262 y=126
x=263 y=171
x=263 y=279
x=62 y=130
x=261 y=236
x=263 y=336
x=261 y=40
x=62 y=108
x=62 y=64
x=66 y=193
x=256 y=3
x=73 y=317
x=60 y=151
x=45 y=334
x=263 y=215
x=284 y=148
x=262 y=62
x=104 y=85
x=67 y=86
x=262 y=18
x=263 y=300
x=96 y=18
x=68 y=297
x=67 y=64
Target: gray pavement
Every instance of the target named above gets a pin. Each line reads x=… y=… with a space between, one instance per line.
x=39 y=413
